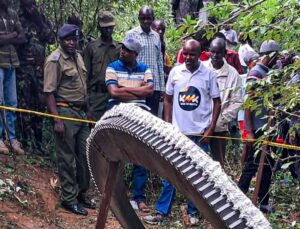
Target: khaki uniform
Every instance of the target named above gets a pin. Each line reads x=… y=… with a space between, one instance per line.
x=97 y=55
x=65 y=77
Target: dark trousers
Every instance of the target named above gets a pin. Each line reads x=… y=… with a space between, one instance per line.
x=153 y=102
x=71 y=157
x=98 y=101
x=165 y=200
x=218 y=147
x=140 y=174
x=250 y=169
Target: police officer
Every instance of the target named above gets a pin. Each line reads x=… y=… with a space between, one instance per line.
x=66 y=94
x=97 y=55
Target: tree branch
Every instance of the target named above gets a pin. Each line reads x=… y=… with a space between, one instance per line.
x=284 y=112
x=241 y=11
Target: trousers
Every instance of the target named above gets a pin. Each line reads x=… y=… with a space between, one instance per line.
x=165 y=200
x=8 y=97
x=71 y=156
x=250 y=168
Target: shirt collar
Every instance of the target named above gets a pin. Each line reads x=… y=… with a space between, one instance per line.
x=141 y=31
x=123 y=65
x=223 y=71
x=184 y=68
x=64 y=54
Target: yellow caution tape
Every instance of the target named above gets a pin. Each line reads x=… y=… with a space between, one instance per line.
x=47 y=115
x=264 y=142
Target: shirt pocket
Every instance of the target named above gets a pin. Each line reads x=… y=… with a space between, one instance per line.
x=70 y=72
x=70 y=78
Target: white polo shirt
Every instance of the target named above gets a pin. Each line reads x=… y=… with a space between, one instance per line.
x=192 y=98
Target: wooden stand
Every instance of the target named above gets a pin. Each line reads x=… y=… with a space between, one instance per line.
x=108 y=189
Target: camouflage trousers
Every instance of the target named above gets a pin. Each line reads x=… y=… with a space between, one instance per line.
x=30 y=96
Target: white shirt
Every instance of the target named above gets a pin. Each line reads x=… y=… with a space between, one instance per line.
x=231 y=36
x=192 y=98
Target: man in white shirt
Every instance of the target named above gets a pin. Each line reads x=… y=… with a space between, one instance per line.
x=229 y=82
x=192 y=103
x=231 y=36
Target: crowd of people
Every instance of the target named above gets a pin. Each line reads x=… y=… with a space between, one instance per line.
x=202 y=93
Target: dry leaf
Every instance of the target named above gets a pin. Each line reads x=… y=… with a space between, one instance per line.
x=53 y=182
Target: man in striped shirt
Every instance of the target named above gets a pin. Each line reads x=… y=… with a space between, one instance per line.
x=130 y=81
x=150 y=54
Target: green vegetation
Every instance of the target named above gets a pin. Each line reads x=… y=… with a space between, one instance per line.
x=271 y=19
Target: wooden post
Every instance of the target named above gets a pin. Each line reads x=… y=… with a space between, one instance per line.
x=244 y=153
x=259 y=173
x=113 y=168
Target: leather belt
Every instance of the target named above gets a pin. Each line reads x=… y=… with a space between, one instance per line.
x=66 y=104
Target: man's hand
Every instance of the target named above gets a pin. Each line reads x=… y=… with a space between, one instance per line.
x=59 y=127
x=205 y=139
x=250 y=136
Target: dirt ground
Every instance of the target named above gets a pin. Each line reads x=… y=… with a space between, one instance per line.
x=29 y=199
x=32 y=200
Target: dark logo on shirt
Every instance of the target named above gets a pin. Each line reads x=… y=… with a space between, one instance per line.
x=189 y=98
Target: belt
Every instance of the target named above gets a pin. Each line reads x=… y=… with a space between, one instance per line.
x=66 y=104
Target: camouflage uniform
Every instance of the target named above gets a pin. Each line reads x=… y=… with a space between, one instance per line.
x=30 y=80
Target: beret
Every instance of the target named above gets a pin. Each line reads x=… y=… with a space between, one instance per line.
x=68 y=30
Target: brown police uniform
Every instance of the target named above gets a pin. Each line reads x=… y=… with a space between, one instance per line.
x=97 y=55
x=65 y=77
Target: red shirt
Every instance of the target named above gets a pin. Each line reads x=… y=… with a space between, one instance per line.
x=231 y=57
x=179 y=56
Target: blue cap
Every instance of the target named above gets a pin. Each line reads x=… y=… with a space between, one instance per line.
x=68 y=30
x=133 y=45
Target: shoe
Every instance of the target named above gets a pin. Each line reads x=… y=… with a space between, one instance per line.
x=193 y=220
x=134 y=205
x=87 y=202
x=266 y=208
x=17 y=146
x=3 y=148
x=75 y=208
x=154 y=219
x=143 y=207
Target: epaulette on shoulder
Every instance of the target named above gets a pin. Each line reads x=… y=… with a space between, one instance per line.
x=54 y=57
